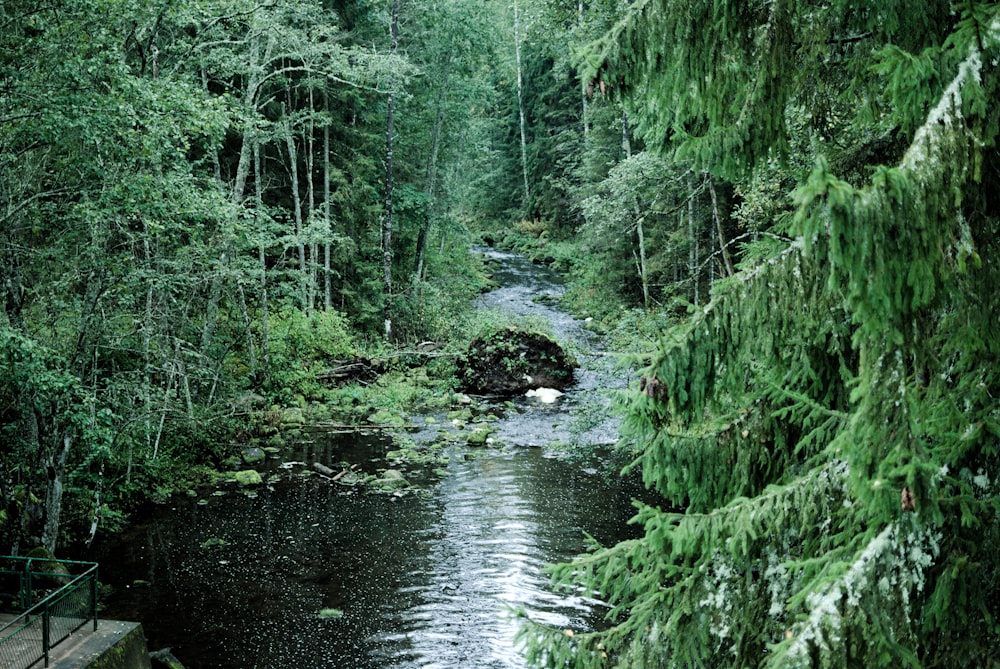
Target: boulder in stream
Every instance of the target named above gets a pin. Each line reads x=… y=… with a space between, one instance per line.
x=247 y=477
x=512 y=360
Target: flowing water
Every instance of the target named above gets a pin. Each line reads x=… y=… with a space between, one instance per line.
x=423 y=580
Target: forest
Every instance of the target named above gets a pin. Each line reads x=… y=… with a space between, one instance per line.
x=783 y=216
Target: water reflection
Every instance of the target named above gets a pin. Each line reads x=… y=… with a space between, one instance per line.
x=503 y=517
x=423 y=580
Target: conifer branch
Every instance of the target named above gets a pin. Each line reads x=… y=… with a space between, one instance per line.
x=890 y=565
x=927 y=139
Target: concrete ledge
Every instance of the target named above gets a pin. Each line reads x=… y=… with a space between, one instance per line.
x=115 y=645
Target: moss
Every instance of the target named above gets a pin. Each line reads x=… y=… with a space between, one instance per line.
x=479 y=436
x=330 y=614
x=248 y=477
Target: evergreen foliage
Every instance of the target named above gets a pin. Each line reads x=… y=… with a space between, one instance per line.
x=825 y=433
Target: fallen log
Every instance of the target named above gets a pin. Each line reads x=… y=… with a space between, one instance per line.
x=348 y=427
x=331 y=474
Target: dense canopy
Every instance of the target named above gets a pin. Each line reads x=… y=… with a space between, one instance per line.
x=789 y=211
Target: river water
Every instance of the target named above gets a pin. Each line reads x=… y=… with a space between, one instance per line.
x=426 y=580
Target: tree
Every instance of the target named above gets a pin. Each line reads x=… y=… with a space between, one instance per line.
x=387 y=220
x=130 y=134
x=824 y=433
x=519 y=70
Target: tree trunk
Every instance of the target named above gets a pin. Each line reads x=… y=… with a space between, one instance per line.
x=265 y=352
x=643 y=273
x=584 y=111
x=431 y=175
x=520 y=104
x=249 y=101
x=311 y=204
x=387 y=220
x=55 y=467
x=328 y=223
x=147 y=329
x=293 y=165
x=693 y=243
x=212 y=308
x=727 y=263
x=640 y=233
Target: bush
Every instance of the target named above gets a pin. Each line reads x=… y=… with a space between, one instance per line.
x=303 y=345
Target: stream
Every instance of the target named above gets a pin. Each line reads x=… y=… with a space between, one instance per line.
x=431 y=579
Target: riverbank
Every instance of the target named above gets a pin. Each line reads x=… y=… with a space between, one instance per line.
x=410 y=544
x=415 y=401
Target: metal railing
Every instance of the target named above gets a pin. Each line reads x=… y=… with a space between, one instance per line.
x=53 y=603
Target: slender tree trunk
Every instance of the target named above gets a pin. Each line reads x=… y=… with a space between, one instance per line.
x=10 y=531
x=520 y=104
x=387 y=221
x=639 y=218
x=262 y=259
x=293 y=165
x=216 y=165
x=584 y=111
x=212 y=308
x=431 y=174
x=247 y=326
x=328 y=223
x=693 y=241
x=247 y=141
x=311 y=204
x=727 y=263
x=643 y=273
x=55 y=467
x=95 y=516
x=147 y=330
x=13 y=287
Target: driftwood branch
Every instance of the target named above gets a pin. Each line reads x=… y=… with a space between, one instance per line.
x=331 y=474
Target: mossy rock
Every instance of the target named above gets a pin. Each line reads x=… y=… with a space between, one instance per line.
x=479 y=436
x=44 y=562
x=252 y=454
x=512 y=360
x=387 y=417
x=331 y=614
x=248 y=477
x=391 y=479
x=293 y=416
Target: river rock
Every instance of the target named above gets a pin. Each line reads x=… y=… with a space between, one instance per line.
x=252 y=454
x=248 y=477
x=391 y=479
x=544 y=395
x=511 y=360
x=165 y=658
x=479 y=436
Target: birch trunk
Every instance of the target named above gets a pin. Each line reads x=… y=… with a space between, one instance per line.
x=727 y=263
x=293 y=165
x=311 y=205
x=520 y=104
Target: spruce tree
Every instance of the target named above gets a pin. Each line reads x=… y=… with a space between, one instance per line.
x=824 y=433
